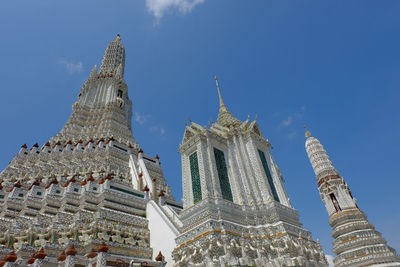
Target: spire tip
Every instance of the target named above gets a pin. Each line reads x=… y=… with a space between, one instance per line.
x=221 y=102
x=308 y=134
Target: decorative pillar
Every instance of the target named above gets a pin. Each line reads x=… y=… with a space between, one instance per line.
x=102 y=256
x=10 y=240
x=39 y=258
x=70 y=260
x=91 y=256
x=154 y=192
x=161 y=198
x=140 y=154
x=9 y=260
x=161 y=260
x=140 y=181
x=61 y=258
x=146 y=193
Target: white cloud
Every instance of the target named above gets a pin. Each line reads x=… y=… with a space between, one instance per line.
x=330 y=260
x=72 y=67
x=139 y=118
x=286 y=123
x=292 y=135
x=158 y=130
x=159 y=7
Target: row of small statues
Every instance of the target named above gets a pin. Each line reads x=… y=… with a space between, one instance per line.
x=128 y=237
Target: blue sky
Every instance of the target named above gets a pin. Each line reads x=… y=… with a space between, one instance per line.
x=333 y=65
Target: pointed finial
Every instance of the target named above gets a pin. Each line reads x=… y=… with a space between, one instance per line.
x=118 y=38
x=221 y=102
x=93 y=73
x=308 y=134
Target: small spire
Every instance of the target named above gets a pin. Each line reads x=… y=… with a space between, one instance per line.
x=308 y=134
x=159 y=257
x=118 y=38
x=93 y=73
x=222 y=106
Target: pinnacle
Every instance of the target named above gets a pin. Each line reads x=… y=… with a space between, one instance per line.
x=225 y=118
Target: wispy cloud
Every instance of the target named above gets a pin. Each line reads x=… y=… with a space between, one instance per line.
x=291 y=120
x=330 y=260
x=159 y=7
x=292 y=135
x=146 y=121
x=287 y=122
x=157 y=130
x=71 y=67
x=139 y=118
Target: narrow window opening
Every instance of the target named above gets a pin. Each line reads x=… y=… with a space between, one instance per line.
x=223 y=175
x=335 y=202
x=269 y=176
x=196 y=183
x=119 y=94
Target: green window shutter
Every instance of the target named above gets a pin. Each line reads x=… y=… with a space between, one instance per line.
x=223 y=175
x=194 y=171
x=269 y=176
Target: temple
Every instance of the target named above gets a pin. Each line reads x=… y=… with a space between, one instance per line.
x=91 y=196
x=82 y=196
x=236 y=211
x=356 y=242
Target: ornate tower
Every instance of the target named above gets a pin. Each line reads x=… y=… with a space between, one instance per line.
x=88 y=185
x=103 y=108
x=356 y=243
x=236 y=210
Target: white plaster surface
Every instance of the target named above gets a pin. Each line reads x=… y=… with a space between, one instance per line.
x=162 y=232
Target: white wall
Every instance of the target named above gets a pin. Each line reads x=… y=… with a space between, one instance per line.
x=162 y=232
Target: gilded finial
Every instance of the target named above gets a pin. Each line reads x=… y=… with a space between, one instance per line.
x=118 y=38
x=221 y=102
x=308 y=134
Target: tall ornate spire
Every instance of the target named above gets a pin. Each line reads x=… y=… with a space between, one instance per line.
x=113 y=57
x=356 y=241
x=225 y=118
x=103 y=108
x=222 y=106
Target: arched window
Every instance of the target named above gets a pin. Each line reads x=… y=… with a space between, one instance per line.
x=120 y=93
